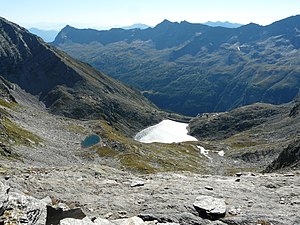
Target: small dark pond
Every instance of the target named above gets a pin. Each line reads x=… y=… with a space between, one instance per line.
x=90 y=140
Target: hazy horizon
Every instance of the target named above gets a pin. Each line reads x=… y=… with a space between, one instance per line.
x=56 y=14
x=116 y=26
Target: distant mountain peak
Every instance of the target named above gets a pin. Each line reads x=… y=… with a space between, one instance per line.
x=68 y=27
x=225 y=24
x=185 y=22
x=136 y=26
x=166 y=23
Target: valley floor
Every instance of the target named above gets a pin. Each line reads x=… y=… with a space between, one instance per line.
x=55 y=167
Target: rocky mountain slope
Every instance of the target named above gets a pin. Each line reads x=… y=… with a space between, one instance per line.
x=193 y=68
x=107 y=184
x=288 y=158
x=50 y=103
x=66 y=86
x=258 y=133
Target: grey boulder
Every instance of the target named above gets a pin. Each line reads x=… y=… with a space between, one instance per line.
x=209 y=207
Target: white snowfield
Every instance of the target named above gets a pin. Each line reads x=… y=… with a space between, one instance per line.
x=167 y=131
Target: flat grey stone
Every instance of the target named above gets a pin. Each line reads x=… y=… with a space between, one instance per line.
x=137 y=183
x=85 y=221
x=129 y=221
x=210 y=207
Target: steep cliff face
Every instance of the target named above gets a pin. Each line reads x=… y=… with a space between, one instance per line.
x=32 y=64
x=66 y=86
x=287 y=159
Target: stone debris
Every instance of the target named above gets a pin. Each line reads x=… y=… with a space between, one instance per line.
x=289 y=175
x=99 y=221
x=85 y=221
x=209 y=188
x=282 y=200
x=129 y=221
x=165 y=198
x=239 y=174
x=137 y=183
x=234 y=211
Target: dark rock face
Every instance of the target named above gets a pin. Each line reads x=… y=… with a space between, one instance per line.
x=5 y=88
x=4 y=190
x=288 y=158
x=56 y=214
x=193 y=68
x=296 y=109
x=67 y=86
x=30 y=63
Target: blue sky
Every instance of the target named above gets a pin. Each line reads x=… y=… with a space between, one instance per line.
x=47 y=14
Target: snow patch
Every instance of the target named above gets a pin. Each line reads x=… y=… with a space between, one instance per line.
x=203 y=151
x=167 y=131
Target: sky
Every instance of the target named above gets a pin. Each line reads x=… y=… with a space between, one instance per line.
x=103 y=14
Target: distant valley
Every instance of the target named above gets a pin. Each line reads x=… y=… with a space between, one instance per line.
x=193 y=68
x=46 y=35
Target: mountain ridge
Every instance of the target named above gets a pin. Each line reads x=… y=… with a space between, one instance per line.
x=226 y=24
x=193 y=68
x=67 y=86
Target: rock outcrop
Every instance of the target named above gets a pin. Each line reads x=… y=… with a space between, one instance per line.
x=59 y=212
x=288 y=159
x=22 y=209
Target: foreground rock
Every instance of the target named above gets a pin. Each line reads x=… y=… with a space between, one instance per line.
x=164 y=197
x=22 y=209
x=128 y=221
x=4 y=190
x=61 y=211
x=209 y=207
